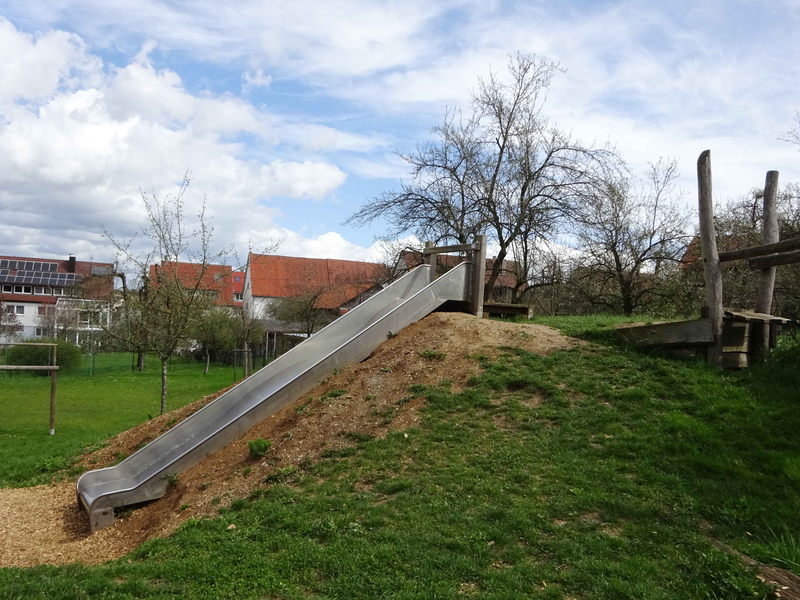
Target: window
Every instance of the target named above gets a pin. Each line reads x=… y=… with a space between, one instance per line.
x=39 y=332
x=48 y=291
x=47 y=311
x=58 y=292
x=237 y=297
x=20 y=309
x=27 y=289
x=238 y=279
x=17 y=289
x=38 y=289
x=8 y=289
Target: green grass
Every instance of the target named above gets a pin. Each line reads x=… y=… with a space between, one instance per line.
x=593 y=473
x=88 y=411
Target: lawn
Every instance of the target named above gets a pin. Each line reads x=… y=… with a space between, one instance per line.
x=89 y=410
x=593 y=473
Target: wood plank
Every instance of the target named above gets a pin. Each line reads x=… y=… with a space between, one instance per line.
x=447 y=249
x=681 y=333
x=498 y=308
x=734 y=360
x=735 y=336
x=774 y=260
x=762 y=250
x=27 y=368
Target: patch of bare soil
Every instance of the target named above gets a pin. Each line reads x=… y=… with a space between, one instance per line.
x=44 y=525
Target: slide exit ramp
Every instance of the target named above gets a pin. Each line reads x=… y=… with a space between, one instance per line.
x=349 y=339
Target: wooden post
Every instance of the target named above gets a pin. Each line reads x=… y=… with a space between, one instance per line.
x=53 y=383
x=431 y=261
x=760 y=331
x=478 y=276
x=770 y=226
x=711 y=264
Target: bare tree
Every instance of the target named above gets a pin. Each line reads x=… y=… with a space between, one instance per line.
x=627 y=233
x=440 y=203
x=504 y=170
x=169 y=301
x=793 y=135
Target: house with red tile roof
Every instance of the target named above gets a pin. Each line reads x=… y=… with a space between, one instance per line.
x=341 y=284
x=42 y=292
x=215 y=279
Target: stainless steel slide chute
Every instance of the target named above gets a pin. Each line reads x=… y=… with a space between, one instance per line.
x=351 y=338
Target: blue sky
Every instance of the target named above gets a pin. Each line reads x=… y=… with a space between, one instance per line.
x=289 y=114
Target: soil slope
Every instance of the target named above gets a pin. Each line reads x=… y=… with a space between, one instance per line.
x=44 y=525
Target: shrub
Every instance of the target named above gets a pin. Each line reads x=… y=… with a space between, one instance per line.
x=432 y=355
x=68 y=356
x=259 y=447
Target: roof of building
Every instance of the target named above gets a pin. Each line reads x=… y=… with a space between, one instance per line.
x=92 y=277
x=216 y=278
x=287 y=276
x=506 y=278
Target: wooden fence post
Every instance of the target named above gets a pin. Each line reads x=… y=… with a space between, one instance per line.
x=478 y=276
x=770 y=226
x=431 y=260
x=711 y=264
x=53 y=384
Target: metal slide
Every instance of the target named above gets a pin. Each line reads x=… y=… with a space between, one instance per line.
x=348 y=340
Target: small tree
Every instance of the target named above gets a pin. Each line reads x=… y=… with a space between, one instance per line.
x=213 y=331
x=10 y=326
x=303 y=311
x=169 y=301
x=627 y=234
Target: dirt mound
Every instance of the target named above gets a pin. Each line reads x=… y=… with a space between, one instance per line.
x=43 y=524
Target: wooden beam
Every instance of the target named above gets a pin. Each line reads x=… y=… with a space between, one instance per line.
x=764 y=250
x=774 y=260
x=27 y=344
x=679 y=334
x=445 y=249
x=711 y=264
x=27 y=368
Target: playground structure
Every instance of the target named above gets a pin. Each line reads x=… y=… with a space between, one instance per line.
x=52 y=368
x=727 y=337
x=146 y=474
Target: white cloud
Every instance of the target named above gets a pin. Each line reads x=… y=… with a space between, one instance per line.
x=255 y=80
x=78 y=157
x=34 y=66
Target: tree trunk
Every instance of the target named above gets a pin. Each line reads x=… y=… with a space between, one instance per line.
x=497 y=266
x=208 y=360
x=164 y=384
x=140 y=361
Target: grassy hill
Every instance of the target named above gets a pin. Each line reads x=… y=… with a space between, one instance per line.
x=595 y=472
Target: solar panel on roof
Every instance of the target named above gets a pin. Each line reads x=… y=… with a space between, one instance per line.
x=3 y=264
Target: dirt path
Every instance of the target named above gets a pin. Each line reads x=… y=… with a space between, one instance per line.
x=43 y=524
